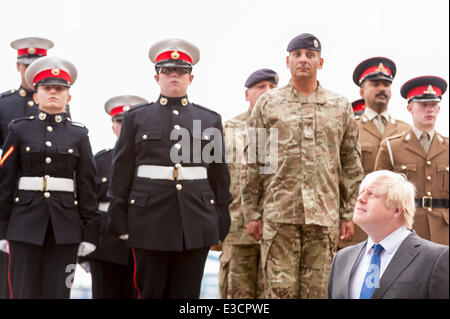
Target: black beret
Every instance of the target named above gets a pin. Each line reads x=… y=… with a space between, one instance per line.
x=377 y=68
x=305 y=41
x=424 y=88
x=261 y=75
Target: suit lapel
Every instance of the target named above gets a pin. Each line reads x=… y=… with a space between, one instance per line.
x=353 y=259
x=371 y=128
x=402 y=258
x=413 y=144
x=437 y=147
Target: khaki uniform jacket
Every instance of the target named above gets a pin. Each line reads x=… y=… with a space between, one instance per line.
x=235 y=138
x=370 y=139
x=312 y=176
x=429 y=173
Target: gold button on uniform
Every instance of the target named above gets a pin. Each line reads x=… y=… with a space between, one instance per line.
x=22 y=92
x=177 y=127
x=58 y=118
x=27 y=149
x=429 y=178
x=404 y=167
x=104 y=179
x=177 y=165
x=206 y=137
x=46 y=194
x=16 y=199
x=163 y=101
x=179 y=187
x=175 y=112
x=48 y=143
x=144 y=137
x=428 y=193
x=429 y=209
x=177 y=146
x=30 y=103
x=75 y=203
x=212 y=201
x=70 y=150
x=184 y=101
x=132 y=201
x=428 y=163
x=48 y=160
x=42 y=116
x=49 y=128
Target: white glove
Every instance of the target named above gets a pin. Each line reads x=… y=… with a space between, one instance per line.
x=4 y=246
x=124 y=237
x=85 y=248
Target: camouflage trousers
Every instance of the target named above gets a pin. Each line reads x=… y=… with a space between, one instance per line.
x=296 y=259
x=240 y=274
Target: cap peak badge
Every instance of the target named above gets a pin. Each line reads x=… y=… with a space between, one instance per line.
x=56 y=71
x=381 y=68
x=430 y=90
x=175 y=55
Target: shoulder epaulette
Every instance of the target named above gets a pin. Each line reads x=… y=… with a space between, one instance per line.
x=396 y=136
x=23 y=118
x=205 y=108
x=139 y=106
x=102 y=152
x=7 y=93
x=77 y=124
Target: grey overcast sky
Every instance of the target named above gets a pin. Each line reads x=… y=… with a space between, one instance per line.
x=108 y=41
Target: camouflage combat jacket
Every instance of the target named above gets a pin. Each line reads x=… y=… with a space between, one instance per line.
x=235 y=139
x=316 y=170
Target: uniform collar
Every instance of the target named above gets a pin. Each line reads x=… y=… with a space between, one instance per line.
x=418 y=133
x=23 y=92
x=52 y=118
x=173 y=101
x=371 y=114
x=318 y=96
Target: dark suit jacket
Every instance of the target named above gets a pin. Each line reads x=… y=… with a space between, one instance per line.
x=418 y=270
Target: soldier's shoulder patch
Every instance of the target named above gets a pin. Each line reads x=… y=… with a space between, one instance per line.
x=7 y=93
x=205 y=108
x=32 y=117
x=103 y=152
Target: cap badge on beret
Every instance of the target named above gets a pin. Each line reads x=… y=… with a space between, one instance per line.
x=430 y=90
x=276 y=78
x=31 y=50
x=175 y=55
x=316 y=43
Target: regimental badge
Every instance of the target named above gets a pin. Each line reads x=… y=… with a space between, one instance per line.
x=22 y=92
x=126 y=108
x=316 y=43
x=382 y=69
x=175 y=55
x=184 y=101
x=277 y=78
x=430 y=90
x=31 y=50
x=42 y=116
x=58 y=118
x=163 y=101
x=56 y=71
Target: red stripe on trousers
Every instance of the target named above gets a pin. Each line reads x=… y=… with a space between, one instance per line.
x=134 y=275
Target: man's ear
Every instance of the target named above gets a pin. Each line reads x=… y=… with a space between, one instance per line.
x=398 y=211
x=35 y=99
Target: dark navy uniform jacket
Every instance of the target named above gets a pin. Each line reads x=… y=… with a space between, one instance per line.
x=154 y=212
x=15 y=104
x=54 y=146
x=110 y=247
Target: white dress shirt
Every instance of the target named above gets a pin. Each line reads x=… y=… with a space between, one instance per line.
x=390 y=245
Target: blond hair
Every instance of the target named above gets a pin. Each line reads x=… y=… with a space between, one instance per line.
x=399 y=191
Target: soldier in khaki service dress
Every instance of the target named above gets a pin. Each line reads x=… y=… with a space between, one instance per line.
x=374 y=76
x=301 y=197
x=423 y=155
x=240 y=274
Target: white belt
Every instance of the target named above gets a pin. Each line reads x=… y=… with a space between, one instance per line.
x=103 y=206
x=176 y=172
x=46 y=183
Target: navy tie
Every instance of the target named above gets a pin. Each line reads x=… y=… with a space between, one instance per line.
x=373 y=273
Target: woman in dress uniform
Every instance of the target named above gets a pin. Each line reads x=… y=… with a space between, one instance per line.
x=47 y=189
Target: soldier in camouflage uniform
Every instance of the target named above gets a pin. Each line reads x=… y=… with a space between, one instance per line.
x=305 y=200
x=374 y=76
x=240 y=274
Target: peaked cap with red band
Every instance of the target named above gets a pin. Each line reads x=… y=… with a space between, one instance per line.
x=51 y=70
x=117 y=105
x=424 y=89
x=359 y=106
x=377 y=68
x=31 y=48
x=174 y=53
